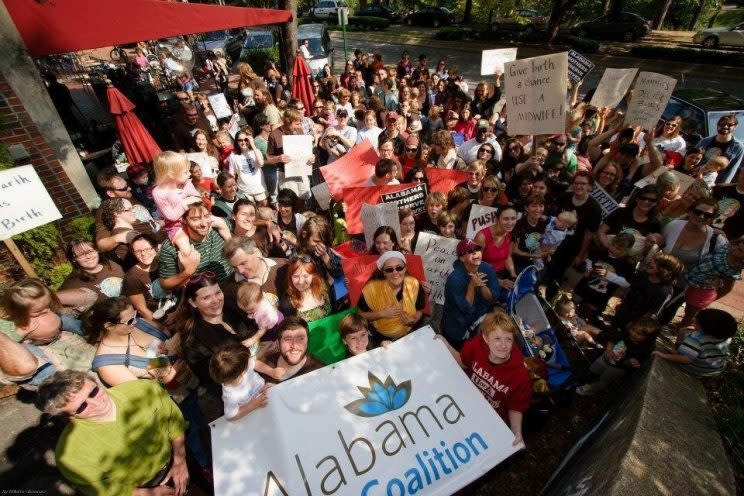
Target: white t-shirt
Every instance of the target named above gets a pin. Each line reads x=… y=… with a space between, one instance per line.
x=468 y=151
x=207 y=163
x=370 y=134
x=250 y=384
x=246 y=172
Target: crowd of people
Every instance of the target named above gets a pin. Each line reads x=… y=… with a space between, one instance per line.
x=209 y=264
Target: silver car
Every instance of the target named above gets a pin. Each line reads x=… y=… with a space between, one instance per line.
x=713 y=37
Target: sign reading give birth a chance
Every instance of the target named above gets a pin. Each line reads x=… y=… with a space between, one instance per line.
x=24 y=202
x=536 y=94
x=381 y=423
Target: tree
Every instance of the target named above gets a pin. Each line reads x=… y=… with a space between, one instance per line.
x=560 y=11
x=288 y=45
x=662 y=13
x=696 y=15
x=467 y=15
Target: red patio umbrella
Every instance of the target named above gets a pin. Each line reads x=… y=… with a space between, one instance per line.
x=139 y=146
x=302 y=87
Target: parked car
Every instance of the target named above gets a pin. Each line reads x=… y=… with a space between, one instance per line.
x=526 y=20
x=712 y=37
x=379 y=11
x=230 y=42
x=257 y=38
x=326 y=8
x=700 y=109
x=319 y=46
x=625 y=25
x=430 y=16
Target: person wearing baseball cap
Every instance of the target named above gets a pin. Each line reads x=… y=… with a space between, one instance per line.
x=468 y=151
x=392 y=300
x=471 y=291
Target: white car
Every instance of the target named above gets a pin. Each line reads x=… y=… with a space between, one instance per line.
x=712 y=37
x=327 y=8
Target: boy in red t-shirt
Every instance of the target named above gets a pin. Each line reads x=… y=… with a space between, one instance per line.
x=496 y=366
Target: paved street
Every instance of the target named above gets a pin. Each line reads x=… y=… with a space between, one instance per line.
x=466 y=55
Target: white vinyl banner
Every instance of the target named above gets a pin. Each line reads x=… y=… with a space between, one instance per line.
x=24 y=202
x=403 y=420
x=536 y=94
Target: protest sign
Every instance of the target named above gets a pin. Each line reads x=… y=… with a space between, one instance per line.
x=494 y=60
x=612 y=87
x=412 y=197
x=536 y=94
x=234 y=125
x=650 y=97
x=376 y=423
x=353 y=169
x=376 y=216
x=444 y=180
x=685 y=181
x=578 y=66
x=358 y=270
x=480 y=218
x=325 y=339
x=219 y=105
x=322 y=195
x=605 y=200
x=24 y=202
x=299 y=148
x=438 y=255
x=355 y=197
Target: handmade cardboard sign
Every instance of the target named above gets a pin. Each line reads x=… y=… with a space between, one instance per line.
x=383 y=422
x=493 y=60
x=650 y=97
x=322 y=195
x=376 y=216
x=24 y=202
x=438 y=254
x=612 y=87
x=480 y=218
x=299 y=148
x=578 y=66
x=536 y=94
x=355 y=197
x=353 y=169
x=219 y=105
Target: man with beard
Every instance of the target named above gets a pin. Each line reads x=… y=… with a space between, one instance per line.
x=289 y=351
x=726 y=145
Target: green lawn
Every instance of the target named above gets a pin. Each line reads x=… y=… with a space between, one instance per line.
x=729 y=18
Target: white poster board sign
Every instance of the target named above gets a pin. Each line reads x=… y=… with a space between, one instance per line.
x=438 y=255
x=685 y=181
x=299 y=148
x=24 y=202
x=494 y=60
x=612 y=87
x=324 y=432
x=374 y=216
x=536 y=94
x=650 y=97
x=480 y=217
x=322 y=195
x=219 y=105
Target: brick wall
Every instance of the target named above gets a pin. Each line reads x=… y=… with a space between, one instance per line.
x=18 y=128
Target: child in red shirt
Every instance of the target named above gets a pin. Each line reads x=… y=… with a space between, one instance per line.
x=496 y=366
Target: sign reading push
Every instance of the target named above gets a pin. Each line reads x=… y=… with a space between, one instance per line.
x=381 y=423
x=24 y=202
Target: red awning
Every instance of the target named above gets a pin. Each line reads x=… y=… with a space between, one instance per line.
x=60 y=26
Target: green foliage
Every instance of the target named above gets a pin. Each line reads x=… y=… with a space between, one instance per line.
x=689 y=55
x=453 y=33
x=83 y=227
x=728 y=18
x=259 y=57
x=6 y=160
x=41 y=246
x=360 y=23
x=584 y=45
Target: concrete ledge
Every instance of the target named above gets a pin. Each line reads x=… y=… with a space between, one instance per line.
x=659 y=440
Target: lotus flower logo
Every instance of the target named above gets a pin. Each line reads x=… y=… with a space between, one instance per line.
x=380 y=397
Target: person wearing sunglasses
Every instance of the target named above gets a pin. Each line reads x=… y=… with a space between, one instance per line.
x=725 y=143
x=476 y=172
x=482 y=140
x=690 y=240
x=128 y=439
x=392 y=301
x=470 y=292
x=668 y=137
x=640 y=216
x=412 y=155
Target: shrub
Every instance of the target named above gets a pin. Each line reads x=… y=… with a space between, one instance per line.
x=6 y=160
x=690 y=55
x=42 y=247
x=454 y=33
x=83 y=228
x=358 y=22
x=258 y=57
x=584 y=45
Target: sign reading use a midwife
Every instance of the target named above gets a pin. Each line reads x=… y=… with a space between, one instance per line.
x=536 y=94
x=381 y=423
x=650 y=96
x=24 y=202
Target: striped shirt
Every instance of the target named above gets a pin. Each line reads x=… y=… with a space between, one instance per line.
x=211 y=257
x=708 y=353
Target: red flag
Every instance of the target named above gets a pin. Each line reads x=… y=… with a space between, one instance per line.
x=353 y=169
x=444 y=180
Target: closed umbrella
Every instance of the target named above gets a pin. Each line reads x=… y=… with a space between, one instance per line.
x=302 y=89
x=139 y=146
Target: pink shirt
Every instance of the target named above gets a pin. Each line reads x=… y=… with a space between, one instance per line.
x=171 y=202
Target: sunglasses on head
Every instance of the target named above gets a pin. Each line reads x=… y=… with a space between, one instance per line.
x=84 y=405
x=194 y=279
x=703 y=213
x=123 y=188
x=397 y=268
x=301 y=258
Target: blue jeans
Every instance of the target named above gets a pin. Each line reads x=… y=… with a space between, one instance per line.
x=193 y=415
